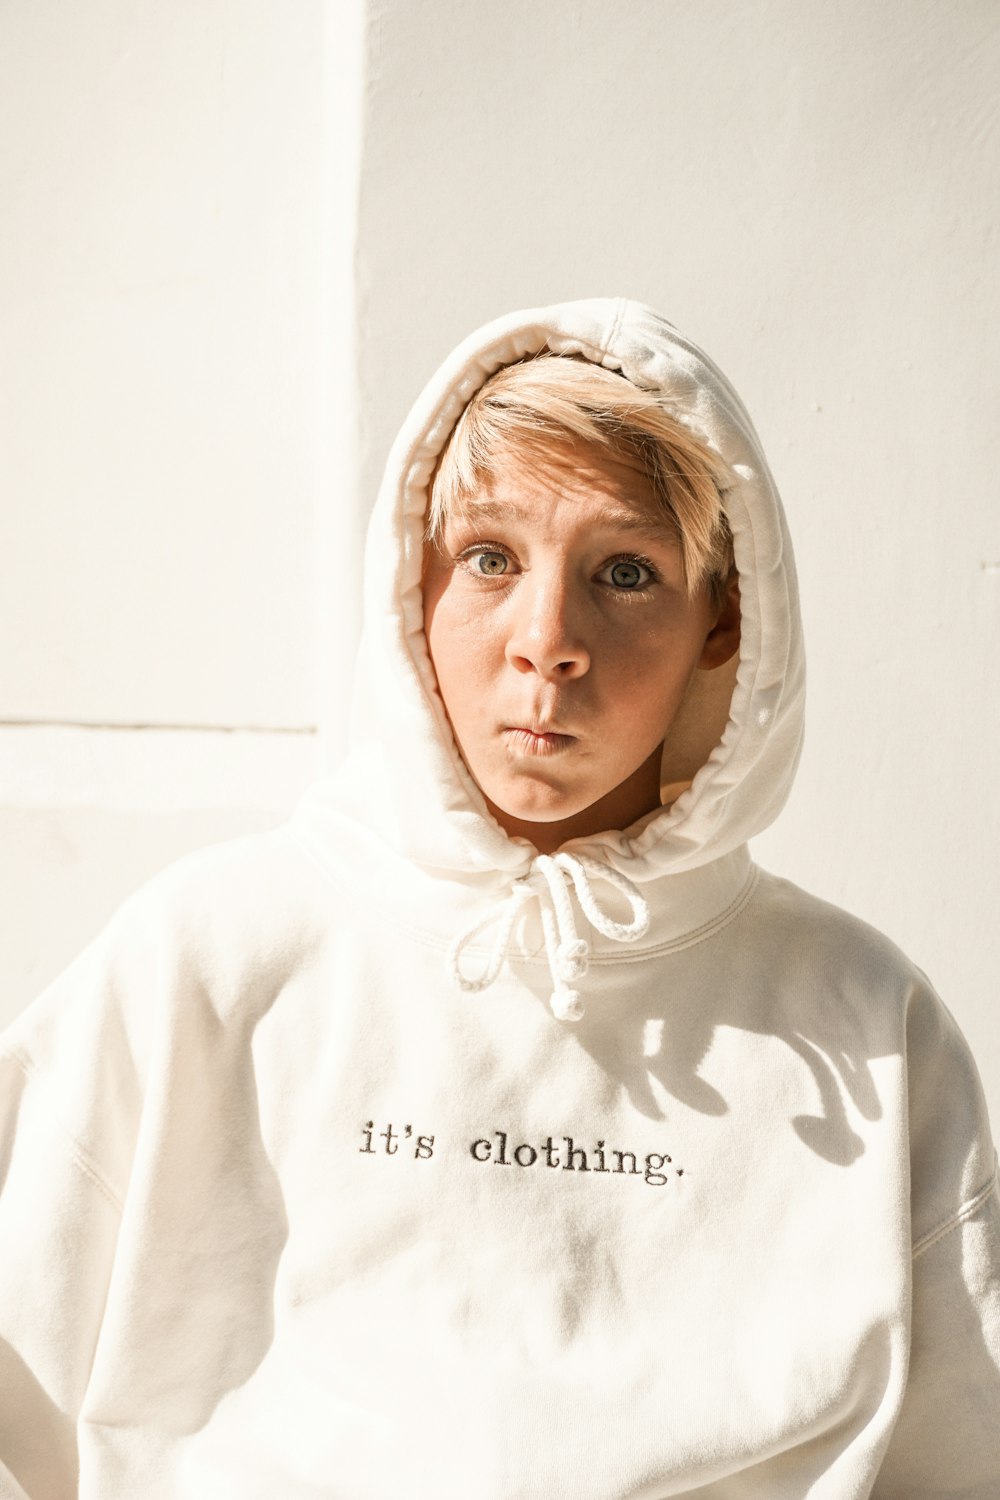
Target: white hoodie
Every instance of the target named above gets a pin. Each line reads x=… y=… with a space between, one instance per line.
x=304 y=1159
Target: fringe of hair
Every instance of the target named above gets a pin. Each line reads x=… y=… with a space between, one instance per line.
x=551 y=397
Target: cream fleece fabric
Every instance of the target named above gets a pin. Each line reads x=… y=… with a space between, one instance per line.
x=287 y=1212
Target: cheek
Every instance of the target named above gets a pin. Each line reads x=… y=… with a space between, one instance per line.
x=464 y=648
x=647 y=672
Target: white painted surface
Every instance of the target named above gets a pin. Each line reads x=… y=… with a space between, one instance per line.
x=176 y=423
x=340 y=516
x=161 y=267
x=157 y=771
x=813 y=193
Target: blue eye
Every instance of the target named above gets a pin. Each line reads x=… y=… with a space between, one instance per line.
x=490 y=564
x=485 y=560
x=627 y=573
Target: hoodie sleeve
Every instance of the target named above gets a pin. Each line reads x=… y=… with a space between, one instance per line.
x=68 y=1110
x=946 y=1441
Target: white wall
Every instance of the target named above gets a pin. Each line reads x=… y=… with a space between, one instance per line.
x=178 y=185
x=194 y=329
x=811 y=192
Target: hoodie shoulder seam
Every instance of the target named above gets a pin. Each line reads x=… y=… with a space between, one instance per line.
x=82 y=1159
x=970 y=1207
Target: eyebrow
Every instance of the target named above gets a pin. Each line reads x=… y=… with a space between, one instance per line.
x=615 y=517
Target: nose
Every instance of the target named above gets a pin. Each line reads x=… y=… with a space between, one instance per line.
x=545 y=635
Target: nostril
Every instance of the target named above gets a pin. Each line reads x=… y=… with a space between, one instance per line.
x=540 y=655
x=574 y=667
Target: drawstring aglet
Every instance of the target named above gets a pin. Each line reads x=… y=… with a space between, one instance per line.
x=566 y=1004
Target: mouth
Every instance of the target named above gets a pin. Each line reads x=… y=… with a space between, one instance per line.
x=527 y=741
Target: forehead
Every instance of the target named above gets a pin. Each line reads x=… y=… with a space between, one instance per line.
x=526 y=480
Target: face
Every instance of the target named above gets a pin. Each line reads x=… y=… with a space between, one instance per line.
x=564 y=639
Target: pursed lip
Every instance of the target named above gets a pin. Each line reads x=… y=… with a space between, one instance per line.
x=541 y=731
x=534 y=740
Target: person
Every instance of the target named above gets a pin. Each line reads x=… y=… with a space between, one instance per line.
x=496 y=1127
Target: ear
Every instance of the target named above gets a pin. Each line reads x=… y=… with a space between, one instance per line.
x=723 y=639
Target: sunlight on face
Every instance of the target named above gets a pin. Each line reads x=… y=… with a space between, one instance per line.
x=563 y=638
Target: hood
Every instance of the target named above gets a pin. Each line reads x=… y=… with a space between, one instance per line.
x=736 y=743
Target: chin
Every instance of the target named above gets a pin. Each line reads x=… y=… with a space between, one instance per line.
x=552 y=809
x=536 y=814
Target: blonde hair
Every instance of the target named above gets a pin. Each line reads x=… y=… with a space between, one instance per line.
x=558 y=397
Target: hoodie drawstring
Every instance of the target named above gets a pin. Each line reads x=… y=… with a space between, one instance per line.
x=567 y=952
